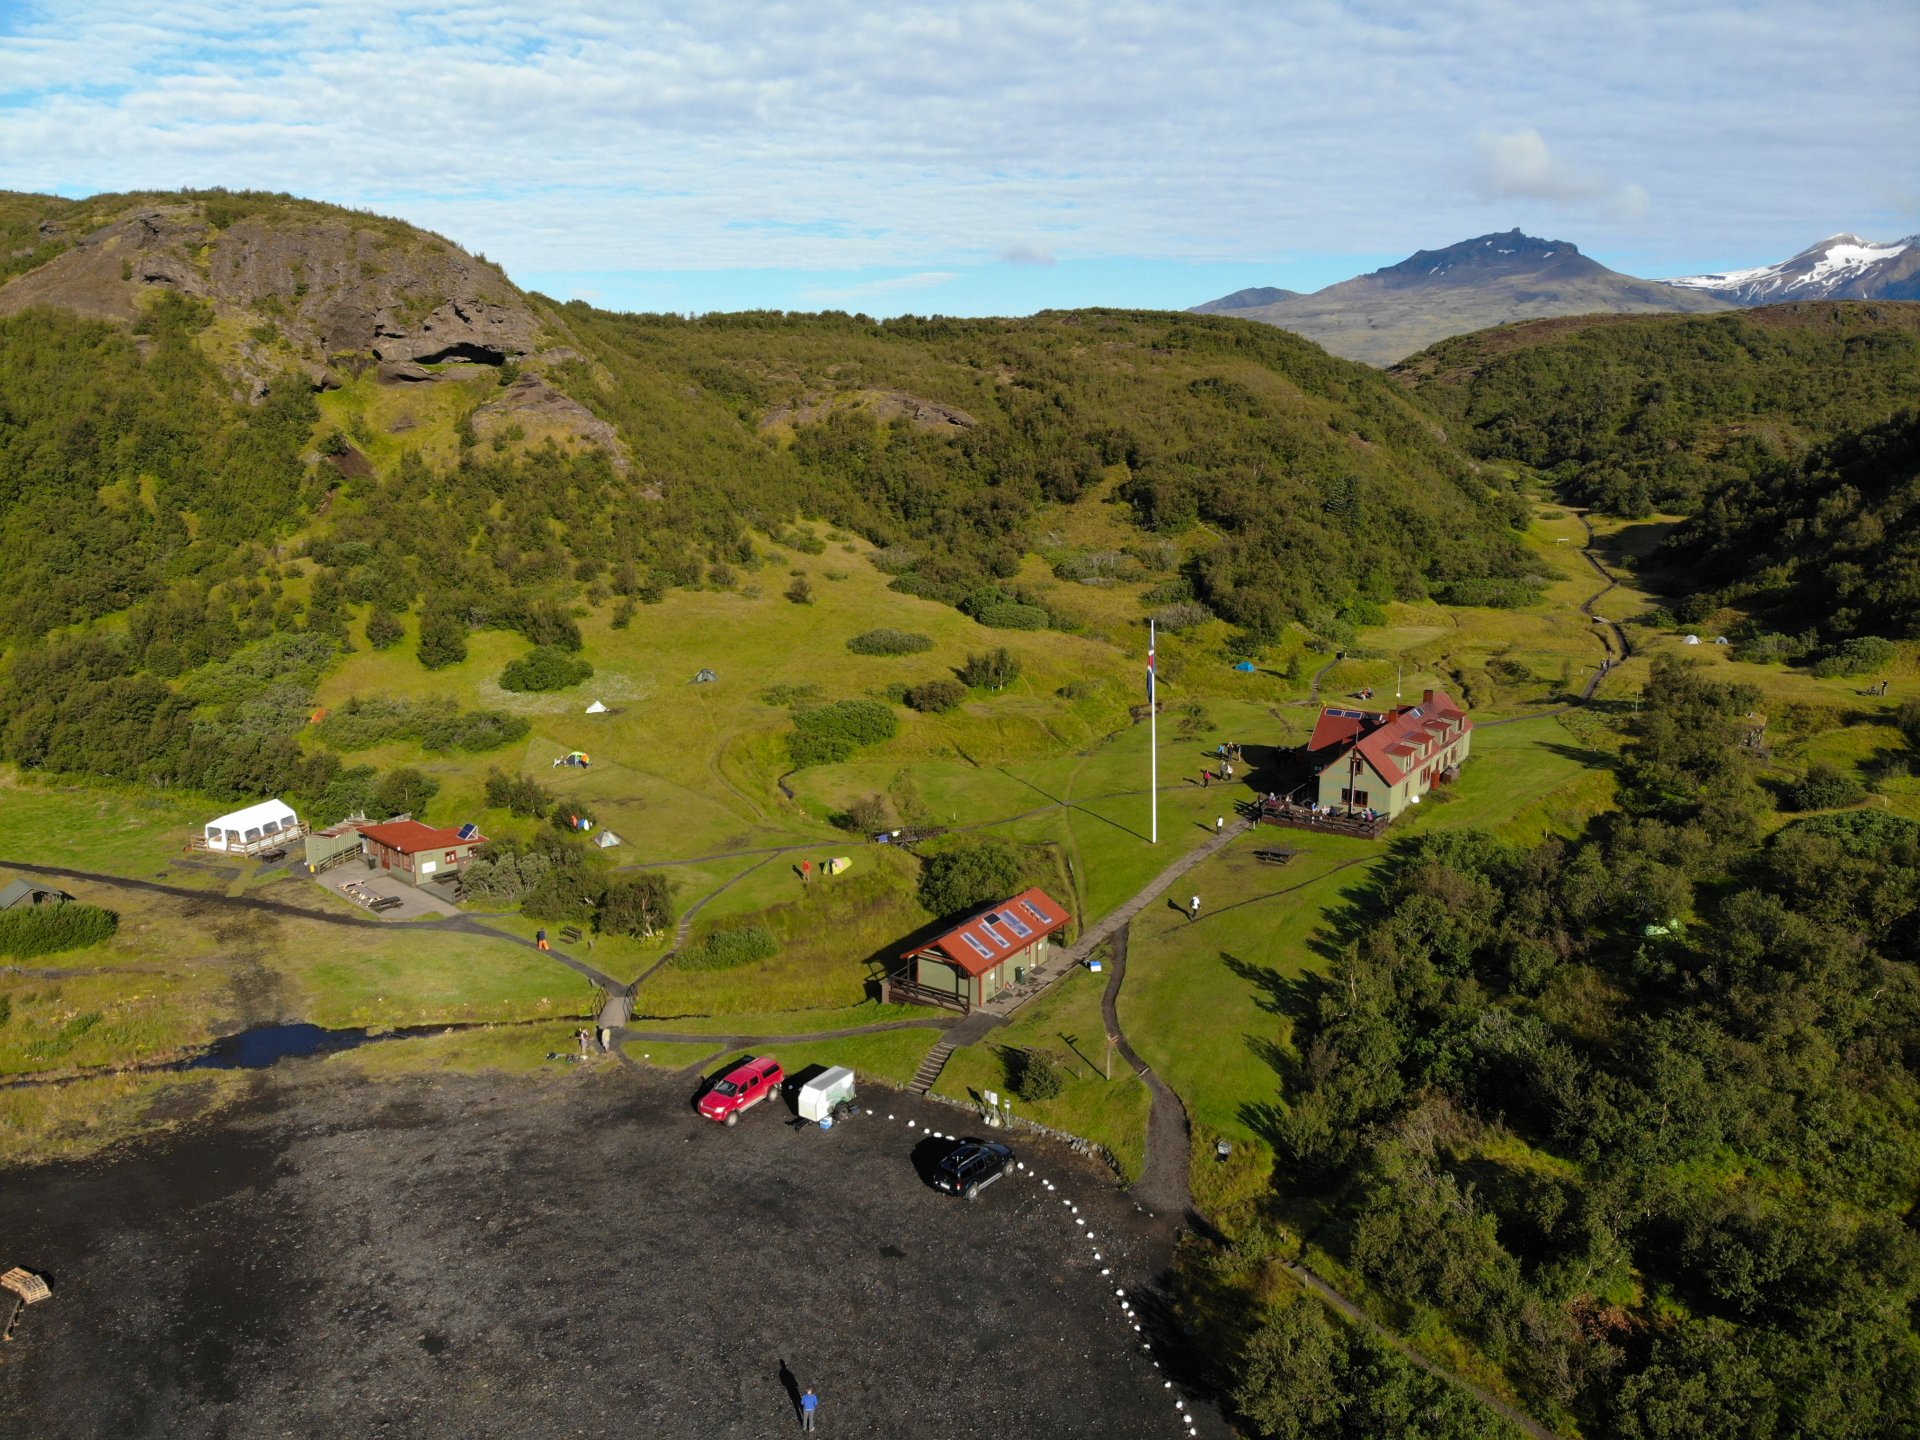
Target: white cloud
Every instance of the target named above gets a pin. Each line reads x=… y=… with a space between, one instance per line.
x=637 y=134
x=1024 y=254
x=1519 y=166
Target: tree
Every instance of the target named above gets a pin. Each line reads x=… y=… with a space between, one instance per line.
x=443 y=636
x=384 y=629
x=405 y=791
x=1290 y=1380
x=1824 y=787
x=641 y=905
x=968 y=877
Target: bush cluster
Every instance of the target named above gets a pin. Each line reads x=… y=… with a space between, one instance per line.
x=44 y=929
x=889 y=642
x=968 y=877
x=724 y=949
x=824 y=734
x=936 y=697
x=994 y=670
x=545 y=667
x=436 y=724
x=520 y=794
x=1011 y=615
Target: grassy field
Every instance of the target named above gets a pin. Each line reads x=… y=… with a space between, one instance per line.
x=690 y=775
x=1065 y=1023
x=144 y=994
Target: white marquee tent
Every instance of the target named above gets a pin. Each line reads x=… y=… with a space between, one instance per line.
x=256 y=827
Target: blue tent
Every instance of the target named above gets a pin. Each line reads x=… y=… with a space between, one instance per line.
x=1245 y=667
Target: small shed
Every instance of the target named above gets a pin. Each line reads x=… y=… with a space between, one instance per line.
x=824 y=1091
x=973 y=962
x=24 y=894
x=333 y=846
x=259 y=827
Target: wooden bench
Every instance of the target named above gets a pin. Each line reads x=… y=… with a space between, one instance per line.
x=570 y=934
x=1274 y=857
x=386 y=902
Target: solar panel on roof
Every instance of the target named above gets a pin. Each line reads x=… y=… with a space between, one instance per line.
x=469 y=831
x=1034 y=911
x=984 y=953
x=994 y=935
x=1015 y=924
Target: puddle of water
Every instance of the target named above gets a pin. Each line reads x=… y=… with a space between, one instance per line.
x=257 y=1049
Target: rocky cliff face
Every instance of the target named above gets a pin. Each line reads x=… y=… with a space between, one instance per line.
x=323 y=291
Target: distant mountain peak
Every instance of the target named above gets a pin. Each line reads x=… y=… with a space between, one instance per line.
x=1490 y=279
x=1246 y=300
x=1841 y=267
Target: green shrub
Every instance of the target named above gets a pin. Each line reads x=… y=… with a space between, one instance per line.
x=436 y=724
x=865 y=816
x=889 y=642
x=545 y=667
x=384 y=629
x=994 y=670
x=800 y=592
x=44 y=929
x=1864 y=833
x=443 y=638
x=968 y=877
x=1037 y=1076
x=1497 y=592
x=1181 y=616
x=724 y=949
x=641 y=905
x=936 y=697
x=519 y=794
x=404 y=791
x=1010 y=615
x=829 y=733
x=1824 y=787
x=1861 y=655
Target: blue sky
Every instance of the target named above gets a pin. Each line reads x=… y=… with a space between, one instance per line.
x=992 y=156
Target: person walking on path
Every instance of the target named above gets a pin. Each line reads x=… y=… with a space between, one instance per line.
x=1193 y=908
x=540 y=939
x=1206 y=778
x=1219 y=824
x=809 y=1403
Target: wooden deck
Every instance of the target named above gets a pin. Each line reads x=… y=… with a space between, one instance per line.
x=1300 y=817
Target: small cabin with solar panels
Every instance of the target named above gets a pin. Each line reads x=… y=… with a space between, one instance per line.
x=975 y=961
x=419 y=852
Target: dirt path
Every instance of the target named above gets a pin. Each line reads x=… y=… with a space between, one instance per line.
x=1163 y=1185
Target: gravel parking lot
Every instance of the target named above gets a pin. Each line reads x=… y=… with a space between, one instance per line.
x=574 y=1255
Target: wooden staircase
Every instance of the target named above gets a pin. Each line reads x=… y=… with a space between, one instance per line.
x=931 y=1067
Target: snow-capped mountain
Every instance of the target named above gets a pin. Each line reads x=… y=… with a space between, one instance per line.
x=1841 y=267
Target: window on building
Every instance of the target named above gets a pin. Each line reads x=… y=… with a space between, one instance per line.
x=1353 y=797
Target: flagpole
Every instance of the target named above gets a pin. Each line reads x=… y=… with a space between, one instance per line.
x=1153 y=732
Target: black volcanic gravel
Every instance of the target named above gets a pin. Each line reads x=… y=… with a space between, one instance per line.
x=582 y=1255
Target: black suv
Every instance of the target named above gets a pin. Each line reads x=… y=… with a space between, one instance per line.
x=971 y=1167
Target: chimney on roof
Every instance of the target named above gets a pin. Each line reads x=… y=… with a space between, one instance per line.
x=1426 y=697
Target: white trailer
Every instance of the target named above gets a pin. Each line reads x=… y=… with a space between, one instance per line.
x=827 y=1089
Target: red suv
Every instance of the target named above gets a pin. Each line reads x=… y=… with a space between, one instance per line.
x=741 y=1088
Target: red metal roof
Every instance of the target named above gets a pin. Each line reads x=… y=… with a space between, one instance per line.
x=410 y=837
x=1397 y=746
x=1338 y=726
x=996 y=933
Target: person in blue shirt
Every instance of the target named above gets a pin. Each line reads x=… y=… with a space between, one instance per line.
x=809 y=1403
